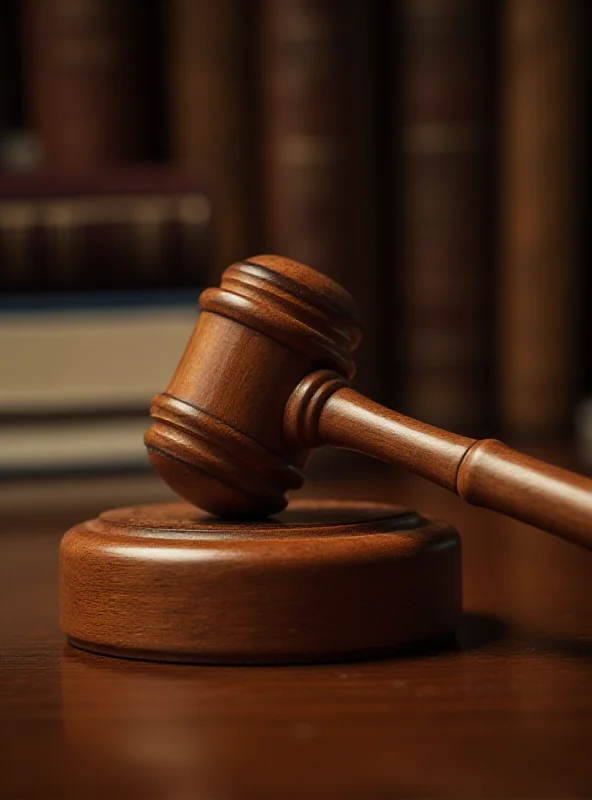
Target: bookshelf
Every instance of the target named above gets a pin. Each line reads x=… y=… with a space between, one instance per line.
x=427 y=155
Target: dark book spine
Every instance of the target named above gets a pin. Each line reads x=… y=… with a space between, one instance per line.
x=212 y=92
x=146 y=241
x=86 y=83
x=442 y=99
x=541 y=189
x=304 y=131
x=319 y=98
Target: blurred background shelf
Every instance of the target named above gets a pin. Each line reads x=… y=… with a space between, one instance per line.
x=427 y=154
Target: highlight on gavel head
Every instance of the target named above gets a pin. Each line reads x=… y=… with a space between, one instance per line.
x=217 y=437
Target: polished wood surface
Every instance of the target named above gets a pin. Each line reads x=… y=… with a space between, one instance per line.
x=217 y=436
x=483 y=472
x=507 y=712
x=264 y=380
x=322 y=581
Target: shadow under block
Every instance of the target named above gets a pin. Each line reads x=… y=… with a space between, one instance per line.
x=320 y=581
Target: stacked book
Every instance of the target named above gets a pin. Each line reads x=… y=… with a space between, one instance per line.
x=99 y=296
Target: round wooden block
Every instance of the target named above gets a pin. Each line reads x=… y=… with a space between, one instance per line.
x=321 y=581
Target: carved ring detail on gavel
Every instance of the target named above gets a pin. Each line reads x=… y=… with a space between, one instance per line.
x=264 y=380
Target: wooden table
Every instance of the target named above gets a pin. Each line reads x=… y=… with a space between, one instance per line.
x=505 y=713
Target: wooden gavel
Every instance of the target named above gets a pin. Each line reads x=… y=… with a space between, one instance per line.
x=263 y=381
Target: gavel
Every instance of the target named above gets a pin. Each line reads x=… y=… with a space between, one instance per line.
x=264 y=380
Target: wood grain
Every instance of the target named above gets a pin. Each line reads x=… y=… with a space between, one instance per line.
x=217 y=439
x=264 y=380
x=323 y=581
x=525 y=488
x=505 y=713
x=484 y=472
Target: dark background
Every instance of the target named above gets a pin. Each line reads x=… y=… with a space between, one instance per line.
x=428 y=154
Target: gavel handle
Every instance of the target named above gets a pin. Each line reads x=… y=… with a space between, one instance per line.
x=483 y=472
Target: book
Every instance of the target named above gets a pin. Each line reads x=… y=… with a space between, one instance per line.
x=213 y=127
x=304 y=116
x=91 y=80
x=78 y=373
x=93 y=313
x=319 y=110
x=93 y=351
x=104 y=490
x=540 y=195
x=442 y=114
x=73 y=447
x=129 y=228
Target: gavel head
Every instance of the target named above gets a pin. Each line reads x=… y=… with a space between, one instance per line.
x=218 y=435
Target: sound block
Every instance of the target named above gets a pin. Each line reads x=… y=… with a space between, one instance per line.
x=321 y=581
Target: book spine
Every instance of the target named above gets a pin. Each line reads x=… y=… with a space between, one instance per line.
x=540 y=189
x=319 y=102
x=150 y=240
x=304 y=131
x=90 y=353
x=212 y=116
x=441 y=196
x=83 y=80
